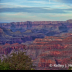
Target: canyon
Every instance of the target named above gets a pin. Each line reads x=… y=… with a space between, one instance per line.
x=46 y=42
x=45 y=51
x=20 y=32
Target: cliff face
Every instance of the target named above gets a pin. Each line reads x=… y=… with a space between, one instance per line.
x=51 y=50
x=21 y=32
x=51 y=41
x=7 y=48
x=7 y=36
x=45 y=51
x=69 y=21
x=49 y=28
x=35 y=24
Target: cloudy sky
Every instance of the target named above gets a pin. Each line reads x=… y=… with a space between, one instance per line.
x=35 y=10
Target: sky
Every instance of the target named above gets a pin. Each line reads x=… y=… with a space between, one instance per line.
x=35 y=10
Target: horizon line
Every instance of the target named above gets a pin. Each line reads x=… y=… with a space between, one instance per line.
x=34 y=21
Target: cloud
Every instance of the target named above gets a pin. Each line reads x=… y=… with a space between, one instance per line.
x=33 y=10
x=61 y=6
x=34 y=3
x=41 y=2
x=64 y=1
x=11 y=5
x=24 y=16
x=47 y=1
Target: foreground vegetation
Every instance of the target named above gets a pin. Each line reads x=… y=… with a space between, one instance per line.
x=18 y=61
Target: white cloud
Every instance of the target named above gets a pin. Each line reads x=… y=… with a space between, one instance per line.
x=63 y=6
x=11 y=5
x=51 y=5
x=39 y=2
x=61 y=15
x=42 y=2
x=64 y=1
x=23 y=16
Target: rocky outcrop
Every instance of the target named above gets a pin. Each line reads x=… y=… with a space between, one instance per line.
x=69 y=21
x=7 y=48
x=7 y=36
x=51 y=50
x=51 y=25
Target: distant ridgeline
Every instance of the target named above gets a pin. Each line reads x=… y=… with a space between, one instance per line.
x=20 y=32
x=34 y=24
x=40 y=22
